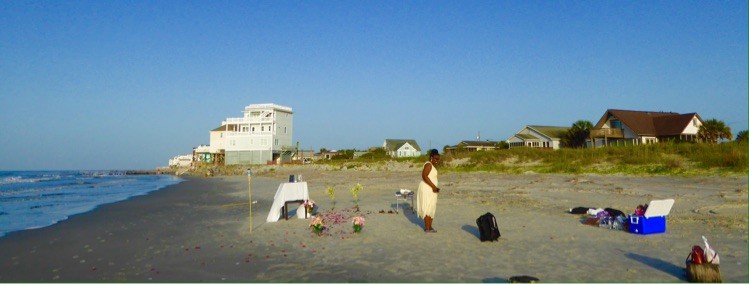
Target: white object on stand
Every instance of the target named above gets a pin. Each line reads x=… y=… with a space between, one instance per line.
x=405 y=194
x=290 y=191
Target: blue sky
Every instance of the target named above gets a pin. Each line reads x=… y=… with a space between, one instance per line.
x=130 y=84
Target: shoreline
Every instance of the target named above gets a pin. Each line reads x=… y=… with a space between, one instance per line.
x=198 y=230
x=38 y=199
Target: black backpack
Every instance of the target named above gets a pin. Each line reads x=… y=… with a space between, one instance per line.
x=488 y=227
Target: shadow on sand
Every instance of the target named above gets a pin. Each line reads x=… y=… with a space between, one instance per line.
x=659 y=264
x=411 y=215
x=495 y=280
x=473 y=230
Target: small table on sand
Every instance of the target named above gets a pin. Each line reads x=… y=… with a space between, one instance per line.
x=404 y=194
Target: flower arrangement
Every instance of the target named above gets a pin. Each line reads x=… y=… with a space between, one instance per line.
x=309 y=204
x=317 y=225
x=355 y=193
x=330 y=191
x=358 y=224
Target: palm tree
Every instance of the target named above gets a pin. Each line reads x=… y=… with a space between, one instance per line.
x=713 y=130
x=578 y=134
x=741 y=136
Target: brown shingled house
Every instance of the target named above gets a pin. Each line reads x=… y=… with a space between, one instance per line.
x=473 y=146
x=629 y=127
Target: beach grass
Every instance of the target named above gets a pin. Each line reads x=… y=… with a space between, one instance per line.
x=655 y=159
x=669 y=159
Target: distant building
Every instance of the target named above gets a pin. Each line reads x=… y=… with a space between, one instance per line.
x=398 y=148
x=473 y=146
x=202 y=154
x=536 y=136
x=620 y=127
x=304 y=156
x=329 y=154
x=181 y=161
x=262 y=135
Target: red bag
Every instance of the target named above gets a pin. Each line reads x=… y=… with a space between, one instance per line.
x=697 y=255
x=698 y=270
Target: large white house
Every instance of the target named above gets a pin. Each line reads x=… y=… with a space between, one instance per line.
x=262 y=135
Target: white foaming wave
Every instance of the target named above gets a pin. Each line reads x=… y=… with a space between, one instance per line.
x=20 y=179
x=14 y=179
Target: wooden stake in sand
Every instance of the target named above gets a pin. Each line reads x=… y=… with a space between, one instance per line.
x=249 y=188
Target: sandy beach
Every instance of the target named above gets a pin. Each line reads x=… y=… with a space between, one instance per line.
x=199 y=231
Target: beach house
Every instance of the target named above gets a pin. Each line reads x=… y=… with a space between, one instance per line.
x=473 y=146
x=399 y=148
x=261 y=136
x=629 y=127
x=537 y=136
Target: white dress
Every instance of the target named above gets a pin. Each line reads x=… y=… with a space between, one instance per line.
x=426 y=199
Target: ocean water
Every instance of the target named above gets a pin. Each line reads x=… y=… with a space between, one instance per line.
x=36 y=199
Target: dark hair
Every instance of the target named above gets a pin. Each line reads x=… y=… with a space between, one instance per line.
x=433 y=153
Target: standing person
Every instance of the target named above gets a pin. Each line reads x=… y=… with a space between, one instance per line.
x=426 y=195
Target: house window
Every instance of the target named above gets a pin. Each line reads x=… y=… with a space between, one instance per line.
x=615 y=123
x=695 y=123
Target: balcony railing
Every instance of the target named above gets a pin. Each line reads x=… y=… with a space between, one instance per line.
x=606 y=133
x=256 y=133
x=236 y=120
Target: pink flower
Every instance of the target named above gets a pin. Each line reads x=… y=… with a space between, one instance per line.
x=317 y=225
x=358 y=223
x=309 y=204
x=359 y=220
x=316 y=221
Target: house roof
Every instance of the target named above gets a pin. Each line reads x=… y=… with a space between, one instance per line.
x=395 y=144
x=267 y=106
x=650 y=122
x=221 y=128
x=526 y=136
x=226 y=127
x=550 y=131
x=479 y=143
